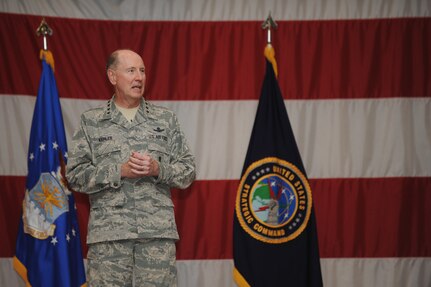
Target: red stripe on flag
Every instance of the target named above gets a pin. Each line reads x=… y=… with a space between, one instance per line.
x=359 y=217
x=377 y=58
x=373 y=217
x=11 y=197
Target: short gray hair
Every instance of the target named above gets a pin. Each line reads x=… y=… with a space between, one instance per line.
x=112 y=60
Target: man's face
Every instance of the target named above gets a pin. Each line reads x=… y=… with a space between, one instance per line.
x=128 y=77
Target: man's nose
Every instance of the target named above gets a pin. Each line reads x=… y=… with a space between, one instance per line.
x=139 y=75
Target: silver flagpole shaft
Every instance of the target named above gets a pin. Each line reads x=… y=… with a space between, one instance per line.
x=44 y=30
x=268 y=24
x=269 y=35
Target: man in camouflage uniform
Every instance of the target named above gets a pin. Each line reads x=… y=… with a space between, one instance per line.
x=126 y=155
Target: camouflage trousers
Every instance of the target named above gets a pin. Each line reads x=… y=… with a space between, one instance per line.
x=127 y=263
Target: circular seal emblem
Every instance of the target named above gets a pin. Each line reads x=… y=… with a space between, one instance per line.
x=273 y=201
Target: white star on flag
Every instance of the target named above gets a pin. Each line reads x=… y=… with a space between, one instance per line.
x=31 y=156
x=67 y=237
x=65 y=155
x=73 y=232
x=42 y=147
x=54 y=240
x=54 y=145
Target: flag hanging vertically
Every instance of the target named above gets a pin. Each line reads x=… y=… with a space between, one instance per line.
x=48 y=248
x=274 y=238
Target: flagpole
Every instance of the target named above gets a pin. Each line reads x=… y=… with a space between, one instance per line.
x=269 y=52
x=48 y=249
x=274 y=223
x=268 y=24
x=45 y=31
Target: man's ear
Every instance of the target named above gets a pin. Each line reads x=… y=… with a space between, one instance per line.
x=112 y=76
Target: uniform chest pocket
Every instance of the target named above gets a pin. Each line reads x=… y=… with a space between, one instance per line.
x=159 y=152
x=107 y=153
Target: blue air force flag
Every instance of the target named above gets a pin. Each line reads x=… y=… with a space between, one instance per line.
x=48 y=248
x=274 y=236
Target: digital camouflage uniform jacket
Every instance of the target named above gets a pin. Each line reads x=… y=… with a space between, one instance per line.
x=122 y=208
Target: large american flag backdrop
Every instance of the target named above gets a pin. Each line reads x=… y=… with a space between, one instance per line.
x=356 y=78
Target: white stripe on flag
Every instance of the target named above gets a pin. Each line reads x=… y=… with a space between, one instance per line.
x=336 y=272
x=220 y=10
x=337 y=138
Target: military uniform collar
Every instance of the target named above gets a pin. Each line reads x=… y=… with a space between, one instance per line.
x=110 y=111
x=145 y=111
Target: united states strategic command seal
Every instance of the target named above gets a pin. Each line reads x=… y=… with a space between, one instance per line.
x=273 y=201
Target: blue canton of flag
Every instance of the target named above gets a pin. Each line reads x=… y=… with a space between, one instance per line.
x=48 y=248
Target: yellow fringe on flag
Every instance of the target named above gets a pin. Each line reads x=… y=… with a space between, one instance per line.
x=49 y=58
x=270 y=55
x=239 y=280
x=21 y=270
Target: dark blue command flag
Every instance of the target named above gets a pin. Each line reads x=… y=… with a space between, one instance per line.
x=274 y=237
x=48 y=247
